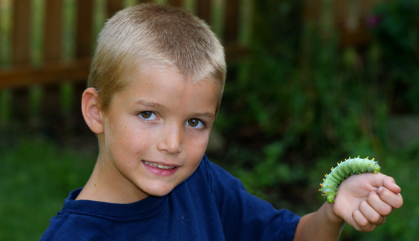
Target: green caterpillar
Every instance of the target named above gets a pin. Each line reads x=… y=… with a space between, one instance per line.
x=343 y=170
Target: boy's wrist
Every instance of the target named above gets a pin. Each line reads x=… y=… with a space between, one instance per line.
x=331 y=215
x=323 y=225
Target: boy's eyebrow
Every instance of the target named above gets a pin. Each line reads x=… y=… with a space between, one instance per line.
x=151 y=104
x=160 y=106
x=205 y=114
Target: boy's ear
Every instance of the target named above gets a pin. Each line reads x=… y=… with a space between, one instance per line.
x=90 y=107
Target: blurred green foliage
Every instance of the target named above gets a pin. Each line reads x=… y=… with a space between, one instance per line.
x=396 y=28
x=300 y=103
x=35 y=177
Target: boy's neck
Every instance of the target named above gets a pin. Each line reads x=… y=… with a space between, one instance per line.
x=104 y=186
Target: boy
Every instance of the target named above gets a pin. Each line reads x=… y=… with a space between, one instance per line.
x=155 y=87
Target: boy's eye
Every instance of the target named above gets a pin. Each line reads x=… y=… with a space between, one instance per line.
x=195 y=123
x=148 y=115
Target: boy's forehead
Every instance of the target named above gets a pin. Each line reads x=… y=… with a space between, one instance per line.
x=160 y=79
x=152 y=70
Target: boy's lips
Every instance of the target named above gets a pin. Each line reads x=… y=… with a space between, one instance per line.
x=160 y=169
x=159 y=165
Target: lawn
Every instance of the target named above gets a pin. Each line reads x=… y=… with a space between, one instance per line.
x=36 y=176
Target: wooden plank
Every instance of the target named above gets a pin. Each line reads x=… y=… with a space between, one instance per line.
x=48 y=73
x=231 y=21
x=162 y=2
x=311 y=10
x=203 y=10
x=2 y=38
x=21 y=32
x=340 y=13
x=53 y=49
x=176 y=3
x=359 y=38
x=113 y=6
x=84 y=26
x=235 y=52
x=349 y=19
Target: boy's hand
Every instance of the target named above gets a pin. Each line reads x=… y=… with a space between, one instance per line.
x=364 y=201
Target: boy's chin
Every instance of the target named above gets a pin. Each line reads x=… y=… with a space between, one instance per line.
x=159 y=192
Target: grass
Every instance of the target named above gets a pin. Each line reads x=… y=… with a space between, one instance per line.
x=36 y=176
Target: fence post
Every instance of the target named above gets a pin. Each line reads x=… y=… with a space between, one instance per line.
x=231 y=21
x=113 y=6
x=21 y=32
x=204 y=10
x=53 y=47
x=84 y=28
x=21 y=36
x=176 y=3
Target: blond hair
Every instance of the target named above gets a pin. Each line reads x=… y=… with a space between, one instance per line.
x=150 y=32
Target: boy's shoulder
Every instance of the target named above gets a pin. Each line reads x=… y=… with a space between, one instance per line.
x=91 y=220
x=214 y=177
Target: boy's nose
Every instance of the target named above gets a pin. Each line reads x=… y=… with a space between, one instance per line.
x=171 y=141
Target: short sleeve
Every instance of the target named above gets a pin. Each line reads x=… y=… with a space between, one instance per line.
x=245 y=217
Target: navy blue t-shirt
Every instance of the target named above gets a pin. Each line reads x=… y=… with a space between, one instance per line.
x=210 y=205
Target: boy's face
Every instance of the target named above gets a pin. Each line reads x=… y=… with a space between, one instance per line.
x=157 y=130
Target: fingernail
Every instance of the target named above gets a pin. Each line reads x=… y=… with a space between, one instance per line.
x=380 y=189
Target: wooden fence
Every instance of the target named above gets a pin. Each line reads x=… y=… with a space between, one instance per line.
x=347 y=17
x=46 y=45
x=42 y=63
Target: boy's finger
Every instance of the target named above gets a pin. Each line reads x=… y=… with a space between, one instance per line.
x=361 y=223
x=380 y=206
x=391 y=185
x=371 y=214
x=381 y=180
x=391 y=198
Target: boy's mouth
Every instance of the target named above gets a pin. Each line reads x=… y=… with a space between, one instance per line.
x=152 y=164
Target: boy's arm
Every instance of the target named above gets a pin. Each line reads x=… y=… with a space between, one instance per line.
x=363 y=201
x=320 y=225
